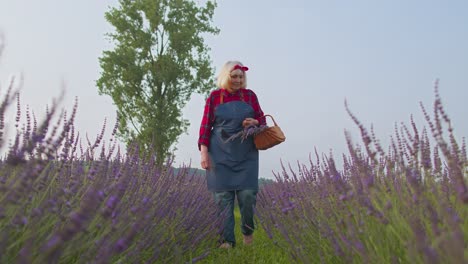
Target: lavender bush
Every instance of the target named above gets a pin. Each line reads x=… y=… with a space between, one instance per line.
x=62 y=202
x=406 y=205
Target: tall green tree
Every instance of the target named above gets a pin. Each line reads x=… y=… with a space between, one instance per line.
x=158 y=61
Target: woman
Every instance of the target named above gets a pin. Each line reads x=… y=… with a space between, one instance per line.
x=231 y=164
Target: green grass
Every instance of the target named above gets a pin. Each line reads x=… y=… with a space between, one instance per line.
x=263 y=250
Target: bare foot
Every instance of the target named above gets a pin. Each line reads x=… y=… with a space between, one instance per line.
x=248 y=240
x=225 y=245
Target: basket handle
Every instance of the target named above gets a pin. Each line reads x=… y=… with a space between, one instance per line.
x=274 y=122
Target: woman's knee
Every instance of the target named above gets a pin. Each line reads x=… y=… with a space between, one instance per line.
x=224 y=198
x=248 y=196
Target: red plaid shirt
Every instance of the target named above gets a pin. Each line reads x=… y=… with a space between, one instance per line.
x=214 y=100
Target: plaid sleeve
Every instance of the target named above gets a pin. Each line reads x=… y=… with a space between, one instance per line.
x=253 y=101
x=206 y=123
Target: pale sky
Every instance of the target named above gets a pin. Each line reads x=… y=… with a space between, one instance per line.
x=305 y=58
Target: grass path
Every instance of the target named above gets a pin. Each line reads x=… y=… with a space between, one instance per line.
x=263 y=250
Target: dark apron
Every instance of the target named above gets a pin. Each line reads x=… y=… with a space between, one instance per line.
x=234 y=163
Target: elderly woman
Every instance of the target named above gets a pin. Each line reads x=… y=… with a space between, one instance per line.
x=231 y=164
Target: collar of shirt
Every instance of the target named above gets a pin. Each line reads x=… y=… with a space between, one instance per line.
x=227 y=93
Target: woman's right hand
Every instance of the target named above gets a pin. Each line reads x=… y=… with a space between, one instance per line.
x=205 y=158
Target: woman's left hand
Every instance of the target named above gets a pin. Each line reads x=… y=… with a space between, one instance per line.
x=249 y=122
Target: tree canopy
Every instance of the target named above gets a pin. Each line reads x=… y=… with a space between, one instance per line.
x=159 y=59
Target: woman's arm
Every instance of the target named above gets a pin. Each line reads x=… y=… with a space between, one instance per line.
x=206 y=123
x=205 y=158
x=205 y=132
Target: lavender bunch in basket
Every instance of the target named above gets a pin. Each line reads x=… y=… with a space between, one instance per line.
x=246 y=132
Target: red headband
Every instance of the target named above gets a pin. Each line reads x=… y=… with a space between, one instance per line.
x=239 y=67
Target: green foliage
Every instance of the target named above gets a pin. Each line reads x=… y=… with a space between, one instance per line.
x=264 y=181
x=158 y=61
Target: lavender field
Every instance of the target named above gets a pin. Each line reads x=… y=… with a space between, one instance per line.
x=65 y=199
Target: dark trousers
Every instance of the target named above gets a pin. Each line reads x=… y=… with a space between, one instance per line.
x=246 y=200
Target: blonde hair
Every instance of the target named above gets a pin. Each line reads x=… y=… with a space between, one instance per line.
x=224 y=76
